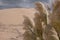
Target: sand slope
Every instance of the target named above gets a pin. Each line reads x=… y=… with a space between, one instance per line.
x=10 y=21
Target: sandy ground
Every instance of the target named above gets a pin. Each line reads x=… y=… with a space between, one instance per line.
x=11 y=22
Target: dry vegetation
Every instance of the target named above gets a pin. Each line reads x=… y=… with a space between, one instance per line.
x=43 y=29
x=37 y=26
x=55 y=18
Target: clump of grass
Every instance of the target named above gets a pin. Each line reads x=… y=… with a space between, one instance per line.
x=43 y=16
x=55 y=18
x=40 y=16
x=29 y=27
x=37 y=30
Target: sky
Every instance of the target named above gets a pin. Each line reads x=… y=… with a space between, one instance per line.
x=20 y=3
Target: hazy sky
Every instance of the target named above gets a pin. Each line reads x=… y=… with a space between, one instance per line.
x=20 y=3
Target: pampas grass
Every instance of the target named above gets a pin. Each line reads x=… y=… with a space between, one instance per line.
x=38 y=26
x=42 y=28
x=29 y=27
x=55 y=18
x=43 y=15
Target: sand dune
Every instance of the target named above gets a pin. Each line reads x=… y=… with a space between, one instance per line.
x=11 y=16
x=10 y=19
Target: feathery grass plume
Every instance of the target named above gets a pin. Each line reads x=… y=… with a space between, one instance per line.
x=28 y=21
x=38 y=26
x=55 y=18
x=43 y=15
x=29 y=27
x=42 y=11
x=50 y=33
x=29 y=36
x=40 y=16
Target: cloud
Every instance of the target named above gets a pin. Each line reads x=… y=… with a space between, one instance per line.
x=1 y=3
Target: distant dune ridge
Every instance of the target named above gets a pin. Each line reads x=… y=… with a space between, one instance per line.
x=14 y=15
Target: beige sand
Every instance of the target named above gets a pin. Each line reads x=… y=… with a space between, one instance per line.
x=10 y=19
